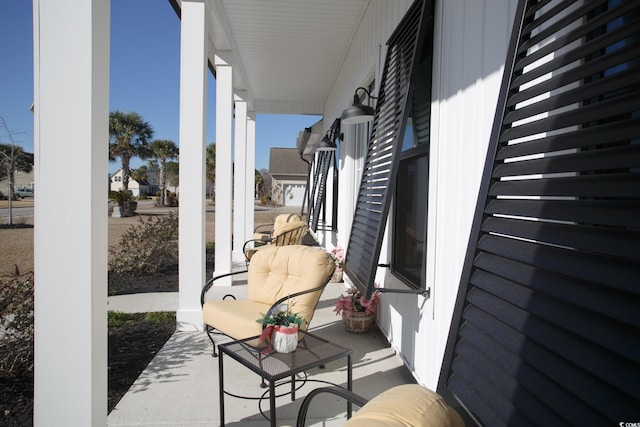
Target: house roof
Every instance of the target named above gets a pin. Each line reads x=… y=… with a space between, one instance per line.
x=286 y=161
x=286 y=54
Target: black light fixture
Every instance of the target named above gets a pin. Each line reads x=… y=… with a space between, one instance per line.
x=327 y=144
x=358 y=113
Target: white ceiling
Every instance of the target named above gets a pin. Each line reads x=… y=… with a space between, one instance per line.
x=286 y=54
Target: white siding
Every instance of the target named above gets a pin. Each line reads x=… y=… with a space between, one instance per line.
x=471 y=39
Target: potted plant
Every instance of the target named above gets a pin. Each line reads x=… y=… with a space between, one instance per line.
x=337 y=254
x=358 y=313
x=280 y=328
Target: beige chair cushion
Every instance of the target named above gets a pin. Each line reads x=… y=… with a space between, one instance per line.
x=291 y=232
x=408 y=405
x=282 y=219
x=274 y=272
x=235 y=318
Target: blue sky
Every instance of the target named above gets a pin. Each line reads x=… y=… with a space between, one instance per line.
x=144 y=76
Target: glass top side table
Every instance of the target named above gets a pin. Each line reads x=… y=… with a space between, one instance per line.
x=312 y=352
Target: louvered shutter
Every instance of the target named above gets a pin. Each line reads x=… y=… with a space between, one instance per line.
x=320 y=185
x=545 y=329
x=379 y=172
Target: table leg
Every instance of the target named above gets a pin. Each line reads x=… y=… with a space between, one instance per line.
x=272 y=402
x=221 y=387
x=293 y=388
x=349 y=385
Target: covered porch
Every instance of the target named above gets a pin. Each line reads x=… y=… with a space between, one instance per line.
x=180 y=385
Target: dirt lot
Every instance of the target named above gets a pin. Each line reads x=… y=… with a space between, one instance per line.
x=16 y=243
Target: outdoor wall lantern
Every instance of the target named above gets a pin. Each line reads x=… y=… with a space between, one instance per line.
x=327 y=144
x=358 y=113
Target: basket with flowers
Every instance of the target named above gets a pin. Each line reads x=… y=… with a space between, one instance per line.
x=358 y=312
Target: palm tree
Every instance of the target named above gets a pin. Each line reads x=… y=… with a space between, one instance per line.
x=163 y=150
x=129 y=137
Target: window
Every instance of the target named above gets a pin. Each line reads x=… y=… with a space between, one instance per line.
x=411 y=198
x=395 y=107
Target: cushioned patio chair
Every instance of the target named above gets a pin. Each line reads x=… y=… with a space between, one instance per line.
x=406 y=405
x=266 y=231
x=290 y=233
x=276 y=275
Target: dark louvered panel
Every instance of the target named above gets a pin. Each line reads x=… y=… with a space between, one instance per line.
x=550 y=288
x=379 y=172
x=326 y=157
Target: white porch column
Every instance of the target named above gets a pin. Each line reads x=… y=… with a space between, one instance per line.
x=224 y=171
x=239 y=180
x=71 y=79
x=193 y=107
x=250 y=192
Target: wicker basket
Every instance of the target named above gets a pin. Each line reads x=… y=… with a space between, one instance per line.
x=358 y=322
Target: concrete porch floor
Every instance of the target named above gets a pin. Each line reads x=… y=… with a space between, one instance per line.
x=180 y=385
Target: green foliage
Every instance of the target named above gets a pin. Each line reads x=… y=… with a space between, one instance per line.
x=147 y=247
x=120 y=196
x=118 y=319
x=282 y=316
x=16 y=325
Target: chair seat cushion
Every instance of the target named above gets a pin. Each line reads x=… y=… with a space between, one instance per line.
x=235 y=318
x=407 y=405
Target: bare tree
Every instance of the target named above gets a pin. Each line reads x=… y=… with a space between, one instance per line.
x=12 y=159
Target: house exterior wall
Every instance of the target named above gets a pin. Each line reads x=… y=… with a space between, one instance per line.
x=470 y=44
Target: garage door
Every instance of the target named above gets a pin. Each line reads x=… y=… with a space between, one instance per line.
x=295 y=194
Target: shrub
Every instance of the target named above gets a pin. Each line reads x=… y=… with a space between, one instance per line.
x=16 y=325
x=147 y=247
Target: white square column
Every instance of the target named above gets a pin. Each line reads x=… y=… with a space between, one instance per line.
x=250 y=192
x=239 y=180
x=193 y=109
x=71 y=139
x=224 y=166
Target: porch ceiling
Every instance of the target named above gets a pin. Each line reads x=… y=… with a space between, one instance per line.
x=286 y=53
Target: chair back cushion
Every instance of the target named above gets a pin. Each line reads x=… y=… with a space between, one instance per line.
x=290 y=233
x=278 y=271
x=406 y=405
x=283 y=219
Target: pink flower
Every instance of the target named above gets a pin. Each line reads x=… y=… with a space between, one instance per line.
x=337 y=254
x=353 y=301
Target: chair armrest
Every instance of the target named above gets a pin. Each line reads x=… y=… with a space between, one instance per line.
x=288 y=297
x=254 y=241
x=336 y=390
x=268 y=226
x=209 y=284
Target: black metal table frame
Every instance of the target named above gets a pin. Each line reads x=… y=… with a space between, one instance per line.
x=222 y=348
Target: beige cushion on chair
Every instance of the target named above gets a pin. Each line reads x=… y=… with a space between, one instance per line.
x=274 y=272
x=290 y=233
x=408 y=405
x=278 y=223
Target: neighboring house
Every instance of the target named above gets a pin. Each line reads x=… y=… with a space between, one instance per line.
x=516 y=244
x=148 y=187
x=288 y=176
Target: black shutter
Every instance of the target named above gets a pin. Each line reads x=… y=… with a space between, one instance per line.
x=379 y=172
x=545 y=329
x=319 y=186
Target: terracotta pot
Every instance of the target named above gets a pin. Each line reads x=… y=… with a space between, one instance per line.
x=358 y=322
x=337 y=276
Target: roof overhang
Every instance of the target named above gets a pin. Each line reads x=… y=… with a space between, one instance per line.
x=286 y=54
